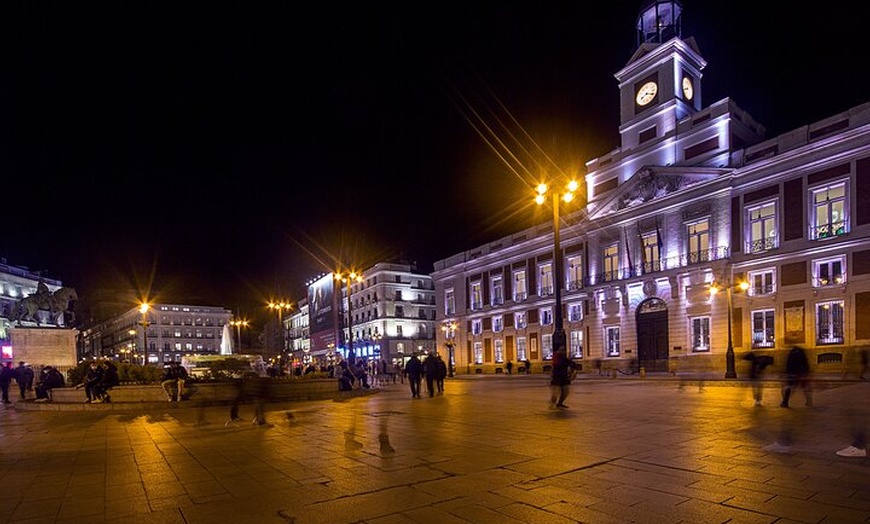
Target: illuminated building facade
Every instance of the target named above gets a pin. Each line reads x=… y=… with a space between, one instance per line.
x=695 y=200
x=16 y=282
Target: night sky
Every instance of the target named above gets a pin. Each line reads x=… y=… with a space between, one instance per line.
x=225 y=155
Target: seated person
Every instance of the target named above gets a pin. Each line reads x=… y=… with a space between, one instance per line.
x=92 y=378
x=173 y=382
x=51 y=378
x=108 y=380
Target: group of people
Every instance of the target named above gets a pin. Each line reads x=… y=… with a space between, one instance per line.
x=432 y=368
x=49 y=378
x=98 y=380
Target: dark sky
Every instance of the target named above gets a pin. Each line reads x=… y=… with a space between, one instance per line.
x=224 y=154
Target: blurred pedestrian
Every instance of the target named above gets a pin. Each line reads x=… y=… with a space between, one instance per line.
x=509 y=366
x=757 y=364
x=441 y=375
x=174 y=377
x=6 y=376
x=863 y=357
x=564 y=369
x=414 y=370
x=24 y=377
x=430 y=371
x=797 y=371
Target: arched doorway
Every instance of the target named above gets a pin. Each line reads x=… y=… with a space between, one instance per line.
x=652 y=334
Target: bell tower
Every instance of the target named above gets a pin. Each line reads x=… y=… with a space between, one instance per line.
x=661 y=84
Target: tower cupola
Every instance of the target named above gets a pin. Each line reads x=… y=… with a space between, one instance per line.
x=659 y=21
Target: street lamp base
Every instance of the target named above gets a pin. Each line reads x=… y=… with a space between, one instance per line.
x=730 y=372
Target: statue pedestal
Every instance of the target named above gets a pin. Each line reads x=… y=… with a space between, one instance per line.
x=44 y=347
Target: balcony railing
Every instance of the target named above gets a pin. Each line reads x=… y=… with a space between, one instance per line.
x=545 y=291
x=834 y=280
x=574 y=285
x=831 y=230
x=664 y=264
x=519 y=297
x=762 y=245
x=764 y=289
x=497 y=300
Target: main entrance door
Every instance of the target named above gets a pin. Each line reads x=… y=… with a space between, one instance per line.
x=652 y=335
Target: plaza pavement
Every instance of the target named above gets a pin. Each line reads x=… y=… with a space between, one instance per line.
x=488 y=451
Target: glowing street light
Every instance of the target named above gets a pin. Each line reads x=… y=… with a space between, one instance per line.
x=280 y=307
x=143 y=308
x=730 y=371
x=559 y=338
x=239 y=323
x=449 y=329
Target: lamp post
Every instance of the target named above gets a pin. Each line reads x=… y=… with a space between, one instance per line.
x=376 y=342
x=559 y=338
x=349 y=279
x=238 y=323
x=280 y=307
x=449 y=330
x=144 y=323
x=730 y=371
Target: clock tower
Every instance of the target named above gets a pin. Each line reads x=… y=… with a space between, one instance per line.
x=661 y=84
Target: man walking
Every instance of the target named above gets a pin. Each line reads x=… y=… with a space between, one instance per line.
x=560 y=379
x=24 y=377
x=414 y=369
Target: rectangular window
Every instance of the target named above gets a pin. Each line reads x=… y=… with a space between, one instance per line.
x=498 y=346
x=545 y=282
x=476 y=326
x=829 y=322
x=762 y=328
x=698 y=242
x=576 y=344
x=547 y=346
x=651 y=252
x=761 y=222
x=476 y=296
x=399 y=332
x=829 y=271
x=762 y=282
x=574 y=276
x=611 y=341
x=520 y=320
x=546 y=316
x=700 y=333
x=497 y=297
x=575 y=312
x=611 y=262
x=521 y=348
x=449 y=302
x=498 y=324
x=521 y=292
x=478 y=353
x=829 y=214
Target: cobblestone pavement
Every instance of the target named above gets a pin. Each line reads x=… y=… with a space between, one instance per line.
x=489 y=450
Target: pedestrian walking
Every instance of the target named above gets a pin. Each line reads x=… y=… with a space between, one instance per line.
x=564 y=369
x=510 y=366
x=797 y=370
x=414 y=370
x=6 y=376
x=757 y=364
x=24 y=378
x=430 y=371
x=441 y=375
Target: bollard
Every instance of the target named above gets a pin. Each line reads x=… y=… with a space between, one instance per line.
x=642 y=372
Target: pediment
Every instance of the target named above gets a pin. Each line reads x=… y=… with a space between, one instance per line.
x=653 y=183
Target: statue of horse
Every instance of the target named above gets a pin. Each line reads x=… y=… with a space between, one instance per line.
x=56 y=304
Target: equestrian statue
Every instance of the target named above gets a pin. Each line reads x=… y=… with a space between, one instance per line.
x=55 y=303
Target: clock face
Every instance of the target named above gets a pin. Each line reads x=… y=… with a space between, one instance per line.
x=688 y=89
x=646 y=93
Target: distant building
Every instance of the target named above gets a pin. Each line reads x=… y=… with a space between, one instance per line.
x=392 y=314
x=171 y=332
x=694 y=201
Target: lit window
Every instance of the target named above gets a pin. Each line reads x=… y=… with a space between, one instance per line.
x=611 y=262
x=497 y=286
x=575 y=312
x=698 y=242
x=576 y=344
x=700 y=327
x=546 y=316
x=547 y=346
x=762 y=328
x=574 y=276
x=761 y=222
x=520 y=320
x=521 y=348
x=478 y=352
x=762 y=282
x=476 y=327
x=545 y=282
x=829 y=271
x=651 y=252
x=521 y=292
x=498 y=346
x=611 y=341
x=476 y=296
x=829 y=322
x=497 y=323
x=449 y=302
x=830 y=211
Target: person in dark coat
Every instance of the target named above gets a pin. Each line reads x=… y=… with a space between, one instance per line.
x=108 y=379
x=92 y=379
x=442 y=374
x=6 y=376
x=560 y=379
x=430 y=372
x=414 y=370
x=797 y=371
x=24 y=377
x=757 y=364
x=50 y=378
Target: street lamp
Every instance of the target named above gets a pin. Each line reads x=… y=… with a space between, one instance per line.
x=559 y=338
x=238 y=323
x=449 y=330
x=280 y=307
x=144 y=323
x=349 y=279
x=730 y=371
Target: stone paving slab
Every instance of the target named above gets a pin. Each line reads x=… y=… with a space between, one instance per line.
x=488 y=450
